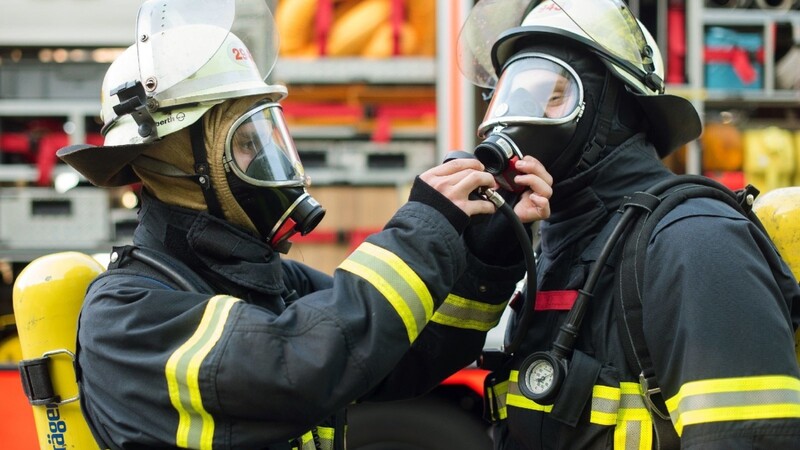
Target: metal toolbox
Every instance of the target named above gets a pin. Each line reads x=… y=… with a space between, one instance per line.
x=44 y=218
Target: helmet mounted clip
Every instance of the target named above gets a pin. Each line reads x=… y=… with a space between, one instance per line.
x=133 y=101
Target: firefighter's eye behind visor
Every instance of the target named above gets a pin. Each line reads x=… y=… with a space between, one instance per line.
x=260 y=151
x=534 y=89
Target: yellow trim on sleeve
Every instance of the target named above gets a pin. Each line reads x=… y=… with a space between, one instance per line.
x=729 y=399
x=404 y=271
x=195 y=424
x=460 y=312
x=396 y=282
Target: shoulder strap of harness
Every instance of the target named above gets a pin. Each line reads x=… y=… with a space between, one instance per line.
x=159 y=265
x=630 y=274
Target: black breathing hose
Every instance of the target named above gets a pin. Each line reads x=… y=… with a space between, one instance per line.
x=530 y=266
x=527 y=249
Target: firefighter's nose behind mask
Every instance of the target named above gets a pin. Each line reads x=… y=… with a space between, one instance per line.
x=266 y=177
x=539 y=108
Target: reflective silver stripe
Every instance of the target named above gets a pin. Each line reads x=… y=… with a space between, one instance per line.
x=728 y=399
x=460 y=312
x=396 y=281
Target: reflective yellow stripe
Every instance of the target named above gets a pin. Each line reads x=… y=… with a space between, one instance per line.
x=195 y=424
x=515 y=397
x=605 y=405
x=460 y=312
x=307 y=441
x=746 y=398
x=622 y=408
x=325 y=435
x=396 y=281
x=498 y=395
x=634 y=428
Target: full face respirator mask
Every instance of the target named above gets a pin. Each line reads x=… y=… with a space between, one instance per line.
x=534 y=111
x=266 y=176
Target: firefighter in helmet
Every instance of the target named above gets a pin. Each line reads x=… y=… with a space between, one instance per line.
x=579 y=85
x=199 y=335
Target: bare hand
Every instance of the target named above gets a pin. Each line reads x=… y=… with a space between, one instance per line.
x=456 y=179
x=534 y=204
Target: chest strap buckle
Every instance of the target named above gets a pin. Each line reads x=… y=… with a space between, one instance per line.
x=648 y=393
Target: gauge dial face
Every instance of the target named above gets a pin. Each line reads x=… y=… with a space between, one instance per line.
x=539 y=376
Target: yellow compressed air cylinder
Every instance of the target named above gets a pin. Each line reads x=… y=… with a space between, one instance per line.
x=779 y=212
x=796 y=158
x=48 y=295
x=769 y=161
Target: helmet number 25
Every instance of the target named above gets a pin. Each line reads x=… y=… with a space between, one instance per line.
x=241 y=54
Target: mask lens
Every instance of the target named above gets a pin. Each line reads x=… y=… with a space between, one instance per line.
x=260 y=150
x=535 y=89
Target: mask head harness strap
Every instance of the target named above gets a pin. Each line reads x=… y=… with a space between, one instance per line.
x=604 y=120
x=201 y=169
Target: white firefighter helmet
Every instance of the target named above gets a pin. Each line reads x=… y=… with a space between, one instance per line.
x=189 y=55
x=497 y=29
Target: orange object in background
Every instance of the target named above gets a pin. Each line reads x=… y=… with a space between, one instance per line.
x=723 y=147
x=422 y=17
x=17 y=427
x=356 y=28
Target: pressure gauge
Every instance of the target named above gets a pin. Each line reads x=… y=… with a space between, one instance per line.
x=540 y=377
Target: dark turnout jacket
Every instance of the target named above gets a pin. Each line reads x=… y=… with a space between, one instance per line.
x=269 y=352
x=718 y=322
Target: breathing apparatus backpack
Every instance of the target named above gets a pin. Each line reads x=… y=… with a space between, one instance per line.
x=48 y=296
x=652 y=206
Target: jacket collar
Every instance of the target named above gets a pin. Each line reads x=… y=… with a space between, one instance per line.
x=232 y=260
x=583 y=204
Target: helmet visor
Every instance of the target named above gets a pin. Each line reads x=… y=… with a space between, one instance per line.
x=260 y=151
x=609 y=25
x=166 y=30
x=486 y=20
x=534 y=89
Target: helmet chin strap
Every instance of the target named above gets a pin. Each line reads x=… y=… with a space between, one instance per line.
x=604 y=120
x=201 y=169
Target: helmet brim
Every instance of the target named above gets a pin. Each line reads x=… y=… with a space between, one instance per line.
x=103 y=166
x=673 y=121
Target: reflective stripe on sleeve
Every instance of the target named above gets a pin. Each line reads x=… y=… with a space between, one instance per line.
x=728 y=399
x=195 y=424
x=622 y=408
x=396 y=281
x=460 y=312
